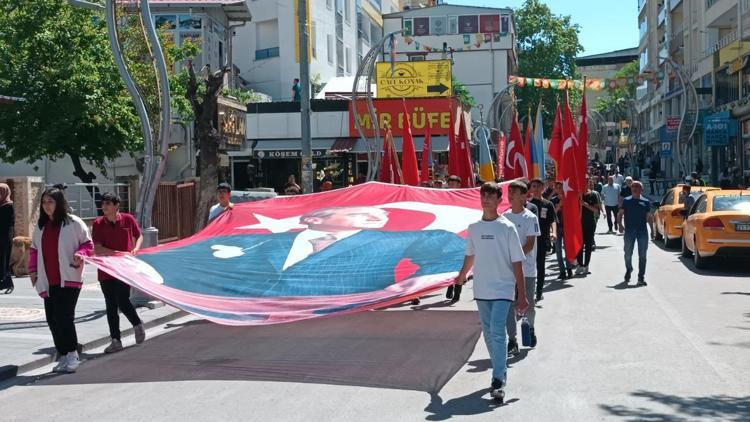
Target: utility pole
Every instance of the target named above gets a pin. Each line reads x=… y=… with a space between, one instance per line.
x=304 y=76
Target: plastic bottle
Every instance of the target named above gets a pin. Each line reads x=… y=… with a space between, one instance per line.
x=525 y=332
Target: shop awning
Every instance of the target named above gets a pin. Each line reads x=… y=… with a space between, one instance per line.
x=343 y=144
x=292 y=144
x=439 y=144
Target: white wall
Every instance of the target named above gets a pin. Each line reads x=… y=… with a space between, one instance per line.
x=274 y=76
x=327 y=124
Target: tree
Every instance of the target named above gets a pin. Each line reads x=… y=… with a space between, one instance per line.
x=547 y=46
x=616 y=104
x=58 y=58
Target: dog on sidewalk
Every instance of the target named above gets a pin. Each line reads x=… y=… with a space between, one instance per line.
x=19 y=256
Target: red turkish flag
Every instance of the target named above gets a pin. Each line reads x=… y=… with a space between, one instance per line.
x=466 y=164
x=454 y=168
x=389 y=168
x=568 y=175
x=514 y=159
x=527 y=148
x=556 y=140
x=424 y=170
x=582 y=150
x=409 y=153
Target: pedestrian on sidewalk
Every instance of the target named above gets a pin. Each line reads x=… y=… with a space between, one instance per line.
x=224 y=194
x=58 y=245
x=590 y=207
x=527 y=226
x=611 y=193
x=563 y=263
x=548 y=227
x=7 y=224
x=112 y=233
x=625 y=191
x=494 y=250
x=636 y=211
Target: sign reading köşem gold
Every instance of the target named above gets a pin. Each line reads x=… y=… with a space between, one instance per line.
x=429 y=78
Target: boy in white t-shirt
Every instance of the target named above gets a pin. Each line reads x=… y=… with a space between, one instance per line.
x=493 y=249
x=527 y=227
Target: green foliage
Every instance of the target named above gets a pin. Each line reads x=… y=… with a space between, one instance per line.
x=615 y=105
x=547 y=46
x=463 y=94
x=244 y=97
x=58 y=58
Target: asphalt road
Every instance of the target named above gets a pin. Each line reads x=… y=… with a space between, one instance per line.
x=677 y=350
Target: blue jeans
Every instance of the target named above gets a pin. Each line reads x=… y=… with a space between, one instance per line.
x=561 y=263
x=493 y=314
x=630 y=238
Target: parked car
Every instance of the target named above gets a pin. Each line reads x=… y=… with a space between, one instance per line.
x=670 y=213
x=718 y=224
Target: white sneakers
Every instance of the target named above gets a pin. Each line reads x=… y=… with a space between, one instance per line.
x=67 y=364
x=581 y=270
x=140 y=333
x=114 y=346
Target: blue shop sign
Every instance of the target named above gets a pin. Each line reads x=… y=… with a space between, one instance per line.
x=717 y=129
x=666 y=149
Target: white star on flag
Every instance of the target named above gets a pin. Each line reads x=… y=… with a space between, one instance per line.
x=275 y=225
x=566 y=186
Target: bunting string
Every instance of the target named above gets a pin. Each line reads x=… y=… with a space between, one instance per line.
x=592 y=84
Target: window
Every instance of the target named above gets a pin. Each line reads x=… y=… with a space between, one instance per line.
x=644 y=60
x=438 y=25
x=313 y=39
x=700 y=205
x=417 y=57
x=329 y=46
x=348 y=11
x=739 y=203
x=266 y=39
x=408 y=27
x=339 y=58
x=266 y=53
x=452 y=24
x=348 y=59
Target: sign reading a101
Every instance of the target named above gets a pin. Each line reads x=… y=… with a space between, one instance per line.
x=429 y=78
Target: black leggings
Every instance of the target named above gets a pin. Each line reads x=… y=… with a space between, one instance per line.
x=117 y=297
x=584 y=257
x=60 y=309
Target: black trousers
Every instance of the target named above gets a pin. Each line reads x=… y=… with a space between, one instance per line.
x=611 y=216
x=584 y=257
x=542 y=248
x=60 y=309
x=117 y=298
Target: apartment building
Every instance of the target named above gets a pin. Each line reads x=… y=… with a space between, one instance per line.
x=341 y=32
x=479 y=40
x=708 y=39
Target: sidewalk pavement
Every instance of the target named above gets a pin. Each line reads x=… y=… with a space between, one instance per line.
x=25 y=339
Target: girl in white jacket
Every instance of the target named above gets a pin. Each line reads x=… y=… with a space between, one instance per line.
x=58 y=245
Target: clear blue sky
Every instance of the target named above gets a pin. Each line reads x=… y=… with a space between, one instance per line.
x=606 y=25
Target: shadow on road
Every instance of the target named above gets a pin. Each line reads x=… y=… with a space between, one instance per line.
x=623 y=285
x=716 y=407
x=37 y=324
x=736 y=293
x=471 y=404
x=369 y=349
x=719 y=267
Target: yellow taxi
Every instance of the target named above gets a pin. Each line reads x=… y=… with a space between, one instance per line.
x=718 y=224
x=669 y=215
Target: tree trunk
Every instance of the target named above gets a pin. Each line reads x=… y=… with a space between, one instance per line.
x=207 y=135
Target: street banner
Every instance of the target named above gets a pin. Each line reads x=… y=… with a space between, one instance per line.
x=500 y=154
x=486 y=167
x=409 y=154
x=428 y=78
x=568 y=173
x=537 y=147
x=527 y=149
x=426 y=163
x=515 y=163
x=309 y=256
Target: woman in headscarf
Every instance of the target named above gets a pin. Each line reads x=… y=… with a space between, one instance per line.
x=7 y=222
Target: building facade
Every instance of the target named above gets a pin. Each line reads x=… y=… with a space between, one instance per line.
x=479 y=40
x=708 y=40
x=605 y=66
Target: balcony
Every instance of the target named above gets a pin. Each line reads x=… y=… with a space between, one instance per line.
x=723 y=42
x=661 y=17
x=721 y=13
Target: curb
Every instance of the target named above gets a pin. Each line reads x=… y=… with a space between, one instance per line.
x=9 y=371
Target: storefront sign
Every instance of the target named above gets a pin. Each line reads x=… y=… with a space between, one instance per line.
x=673 y=123
x=716 y=132
x=232 y=120
x=286 y=153
x=430 y=78
x=435 y=113
x=666 y=149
